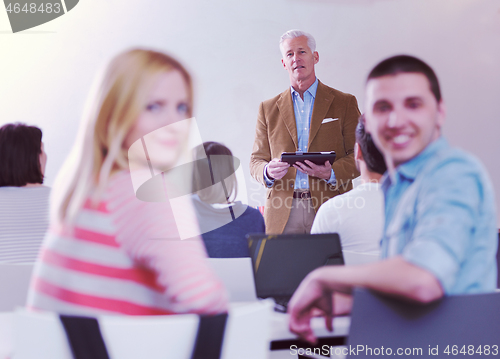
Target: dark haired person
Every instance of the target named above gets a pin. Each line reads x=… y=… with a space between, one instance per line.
x=224 y=222
x=358 y=215
x=440 y=235
x=24 y=200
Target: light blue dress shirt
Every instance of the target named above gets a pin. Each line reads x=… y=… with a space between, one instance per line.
x=303 y=112
x=440 y=216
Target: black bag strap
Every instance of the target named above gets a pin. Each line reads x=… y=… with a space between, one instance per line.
x=210 y=336
x=84 y=337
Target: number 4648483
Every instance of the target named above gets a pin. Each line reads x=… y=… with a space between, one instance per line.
x=33 y=8
x=471 y=350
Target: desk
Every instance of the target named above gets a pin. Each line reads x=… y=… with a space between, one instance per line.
x=279 y=325
x=280 y=337
x=280 y=332
x=6 y=330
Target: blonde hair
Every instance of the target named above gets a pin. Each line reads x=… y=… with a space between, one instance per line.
x=217 y=166
x=120 y=98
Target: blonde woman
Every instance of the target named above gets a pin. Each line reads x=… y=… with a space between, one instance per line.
x=107 y=252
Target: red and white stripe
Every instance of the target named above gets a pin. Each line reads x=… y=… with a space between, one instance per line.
x=125 y=257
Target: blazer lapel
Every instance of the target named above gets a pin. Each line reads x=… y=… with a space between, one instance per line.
x=322 y=103
x=285 y=107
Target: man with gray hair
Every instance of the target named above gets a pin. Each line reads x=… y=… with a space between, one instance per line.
x=307 y=117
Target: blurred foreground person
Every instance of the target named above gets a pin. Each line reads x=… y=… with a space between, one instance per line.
x=24 y=200
x=224 y=222
x=440 y=235
x=107 y=251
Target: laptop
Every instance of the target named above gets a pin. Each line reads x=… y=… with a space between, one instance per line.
x=281 y=262
x=444 y=328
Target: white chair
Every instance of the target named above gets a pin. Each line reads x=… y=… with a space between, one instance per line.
x=41 y=335
x=237 y=276
x=14 y=284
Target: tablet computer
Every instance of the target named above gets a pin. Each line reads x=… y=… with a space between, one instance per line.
x=318 y=158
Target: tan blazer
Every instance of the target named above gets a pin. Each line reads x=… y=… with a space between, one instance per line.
x=276 y=133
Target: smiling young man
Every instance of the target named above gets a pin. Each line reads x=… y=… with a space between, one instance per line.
x=440 y=229
x=308 y=117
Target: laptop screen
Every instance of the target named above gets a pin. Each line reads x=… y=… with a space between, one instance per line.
x=281 y=262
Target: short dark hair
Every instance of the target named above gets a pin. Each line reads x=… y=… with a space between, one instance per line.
x=407 y=64
x=371 y=155
x=20 y=149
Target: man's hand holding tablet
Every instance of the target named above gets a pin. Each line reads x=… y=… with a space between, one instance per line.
x=316 y=164
x=311 y=169
x=276 y=169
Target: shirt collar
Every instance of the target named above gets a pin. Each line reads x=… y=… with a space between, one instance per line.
x=312 y=89
x=411 y=168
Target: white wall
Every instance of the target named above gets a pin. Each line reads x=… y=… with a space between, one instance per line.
x=231 y=47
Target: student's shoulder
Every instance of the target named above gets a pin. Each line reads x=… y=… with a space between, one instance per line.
x=252 y=212
x=455 y=162
x=456 y=172
x=120 y=194
x=120 y=184
x=333 y=204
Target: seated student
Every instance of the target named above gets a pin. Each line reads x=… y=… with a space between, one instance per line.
x=24 y=200
x=107 y=252
x=223 y=222
x=440 y=235
x=358 y=215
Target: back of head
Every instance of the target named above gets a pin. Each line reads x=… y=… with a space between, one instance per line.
x=292 y=34
x=407 y=64
x=20 y=149
x=120 y=99
x=210 y=171
x=371 y=155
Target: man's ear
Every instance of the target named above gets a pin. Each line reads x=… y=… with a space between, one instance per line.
x=441 y=113
x=283 y=62
x=316 y=57
x=357 y=152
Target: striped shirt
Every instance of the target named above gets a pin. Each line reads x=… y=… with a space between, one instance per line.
x=124 y=256
x=23 y=222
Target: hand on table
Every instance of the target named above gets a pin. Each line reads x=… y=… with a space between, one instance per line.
x=276 y=169
x=309 y=168
x=313 y=299
x=343 y=305
x=310 y=299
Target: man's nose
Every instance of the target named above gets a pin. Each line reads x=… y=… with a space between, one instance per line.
x=396 y=119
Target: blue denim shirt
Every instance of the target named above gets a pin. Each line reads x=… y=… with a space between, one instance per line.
x=303 y=111
x=440 y=216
